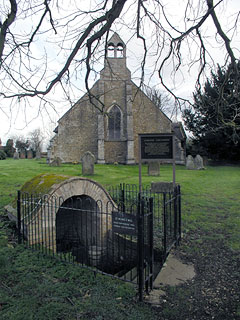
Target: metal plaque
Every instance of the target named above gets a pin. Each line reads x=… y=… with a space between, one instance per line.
x=124 y=223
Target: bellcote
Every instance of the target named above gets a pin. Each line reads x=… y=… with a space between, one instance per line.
x=115 y=66
x=116 y=48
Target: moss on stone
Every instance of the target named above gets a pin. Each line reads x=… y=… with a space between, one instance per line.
x=39 y=185
x=42 y=183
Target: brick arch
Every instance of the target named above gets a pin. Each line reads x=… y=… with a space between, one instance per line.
x=77 y=186
x=58 y=194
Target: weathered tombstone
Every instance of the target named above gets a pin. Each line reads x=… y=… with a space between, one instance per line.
x=153 y=168
x=161 y=187
x=56 y=162
x=22 y=155
x=88 y=160
x=29 y=154
x=190 y=163
x=38 y=154
x=16 y=155
x=198 y=162
x=205 y=161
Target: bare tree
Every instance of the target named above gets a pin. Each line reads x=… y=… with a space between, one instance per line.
x=45 y=45
x=162 y=100
x=36 y=139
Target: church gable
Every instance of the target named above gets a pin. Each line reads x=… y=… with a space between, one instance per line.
x=112 y=135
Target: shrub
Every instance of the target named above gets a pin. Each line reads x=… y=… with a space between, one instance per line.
x=3 y=155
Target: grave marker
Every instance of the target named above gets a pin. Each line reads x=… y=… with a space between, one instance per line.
x=88 y=161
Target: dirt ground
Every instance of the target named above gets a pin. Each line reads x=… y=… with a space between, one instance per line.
x=214 y=292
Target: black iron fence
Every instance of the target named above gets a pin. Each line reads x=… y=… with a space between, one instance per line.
x=129 y=238
x=166 y=213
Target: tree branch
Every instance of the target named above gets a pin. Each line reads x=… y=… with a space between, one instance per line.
x=221 y=33
x=6 y=24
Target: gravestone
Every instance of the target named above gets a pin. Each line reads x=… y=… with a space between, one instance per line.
x=190 y=163
x=56 y=162
x=29 y=154
x=38 y=154
x=153 y=168
x=22 y=155
x=88 y=160
x=16 y=156
x=198 y=162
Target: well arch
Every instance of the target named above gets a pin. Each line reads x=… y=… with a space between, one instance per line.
x=41 y=226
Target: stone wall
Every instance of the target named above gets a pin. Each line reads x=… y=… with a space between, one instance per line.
x=77 y=132
x=115 y=151
x=147 y=118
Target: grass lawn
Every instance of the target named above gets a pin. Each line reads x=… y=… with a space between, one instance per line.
x=36 y=287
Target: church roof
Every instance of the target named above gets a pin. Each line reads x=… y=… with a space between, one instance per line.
x=116 y=39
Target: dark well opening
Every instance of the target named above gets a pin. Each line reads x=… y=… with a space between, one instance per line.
x=78 y=227
x=79 y=222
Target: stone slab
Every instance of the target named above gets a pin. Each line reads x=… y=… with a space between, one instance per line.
x=161 y=187
x=173 y=273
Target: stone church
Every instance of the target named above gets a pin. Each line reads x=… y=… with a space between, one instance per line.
x=112 y=135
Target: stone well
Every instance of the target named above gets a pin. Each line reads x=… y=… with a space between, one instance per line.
x=41 y=223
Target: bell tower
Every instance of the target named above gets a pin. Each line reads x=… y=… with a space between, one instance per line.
x=116 y=48
x=115 y=66
x=115 y=90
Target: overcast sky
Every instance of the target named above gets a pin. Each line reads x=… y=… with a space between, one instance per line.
x=21 y=120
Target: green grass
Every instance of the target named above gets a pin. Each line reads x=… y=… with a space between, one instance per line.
x=210 y=197
x=36 y=287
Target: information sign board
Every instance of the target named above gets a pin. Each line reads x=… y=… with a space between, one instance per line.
x=124 y=223
x=156 y=147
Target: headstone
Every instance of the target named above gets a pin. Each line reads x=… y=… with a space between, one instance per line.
x=38 y=154
x=29 y=154
x=161 y=187
x=198 y=162
x=22 y=155
x=153 y=168
x=190 y=163
x=56 y=162
x=16 y=156
x=88 y=160
x=205 y=161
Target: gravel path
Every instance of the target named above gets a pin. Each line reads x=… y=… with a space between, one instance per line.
x=214 y=293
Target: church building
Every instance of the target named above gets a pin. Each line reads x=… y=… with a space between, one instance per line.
x=112 y=135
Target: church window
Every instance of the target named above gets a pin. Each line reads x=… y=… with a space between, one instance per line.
x=120 y=50
x=110 y=52
x=114 y=123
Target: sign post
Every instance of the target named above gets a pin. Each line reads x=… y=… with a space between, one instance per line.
x=156 y=146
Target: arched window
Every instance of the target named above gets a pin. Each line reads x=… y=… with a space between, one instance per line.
x=110 y=52
x=114 y=123
x=120 y=50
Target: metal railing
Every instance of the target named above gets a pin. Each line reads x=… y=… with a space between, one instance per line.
x=127 y=240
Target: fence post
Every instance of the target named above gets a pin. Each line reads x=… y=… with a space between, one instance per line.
x=19 y=216
x=150 y=233
x=164 y=226
x=179 y=214
x=140 y=214
x=123 y=197
x=175 y=196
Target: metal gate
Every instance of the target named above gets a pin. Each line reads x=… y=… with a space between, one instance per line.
x=127 y=241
